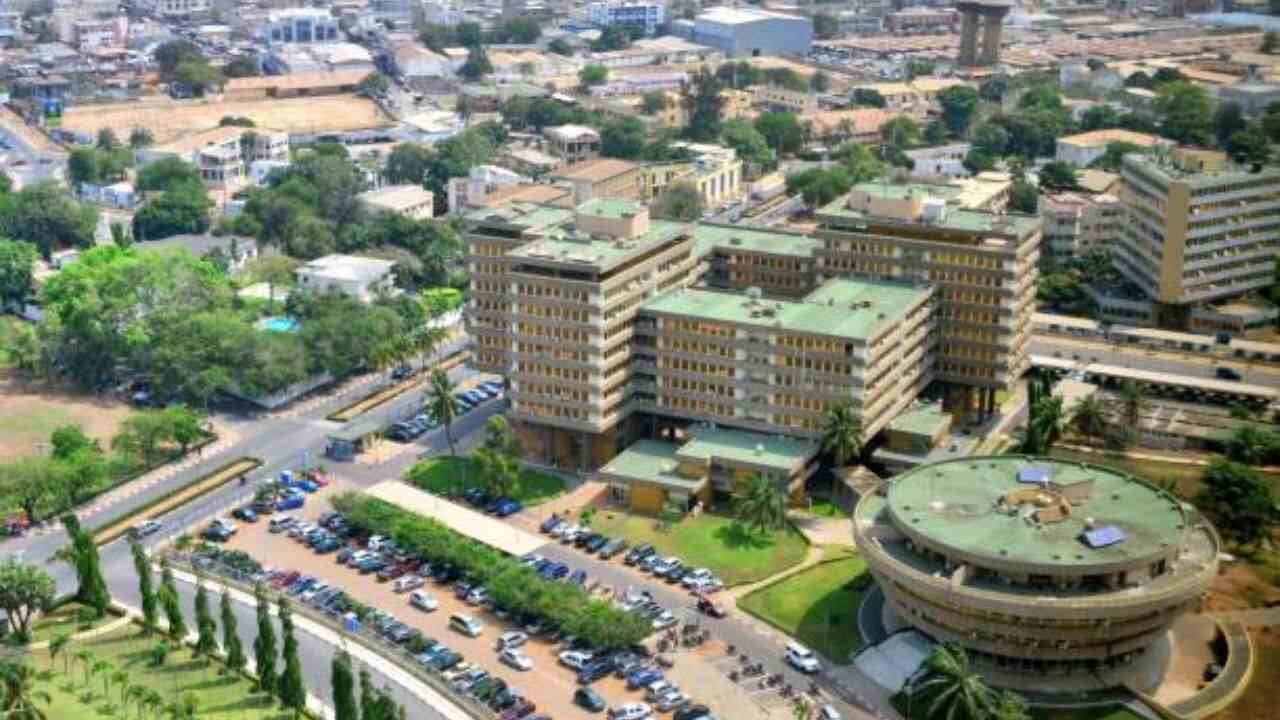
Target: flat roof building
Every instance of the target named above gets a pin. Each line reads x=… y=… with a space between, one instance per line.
x=1056 y=577
x=1083 y=148
x=748 y=32
x=411 y=201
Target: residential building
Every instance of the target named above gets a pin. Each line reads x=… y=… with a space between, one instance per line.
x=602 y=178
x=223 y=154
x=1075 y=222
x=480 y=181
x=173 y=9
x=775 y=97
x=714 y=170
x=362 y=278
x=573 y=143
x=1084 y=148
x=411 y=201
x=750 y=32
x=528 y=161
x=1058 y=578
x=859 y=124
x=644 y=16
x=1197 y=229
x=234 y=250
x=300 y=25
x=984 y=263
x=448 y=13
x=303 y=84
x=922 y=21
x=641 y=84
x=414 y=61
x=941 y=161
x=1252 y=97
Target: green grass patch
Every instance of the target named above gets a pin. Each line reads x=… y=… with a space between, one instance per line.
x=63 y=619
x=218 y=697
x=715 y=542
x=818 y=606
x=820 y=507
x=449 y=476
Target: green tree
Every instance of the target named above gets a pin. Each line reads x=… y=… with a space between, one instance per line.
x=292 y=691
x=169 y=55
x=623 y=138
x=1253 y=445
x=198 y=77
x=408 y=163
x=679 y=201
x=1132 y=402
x=182 y=209
x=762 y=505
x=592 y=75
x=232 y=649
x=91 y=590
x=820 y=186
x=17 y=267
x=1023 y=197
x=57 y=646
x=206 y=627
x=165 y=173
x=375 y=84
x=1228 y=120
x=1044 y=421
x=1090 y=417
x=901 y=132
x=171 y=602
x=264 y=645
x=1270 y=43
x=477 y=64
x=345 y=706
x=868 y=97
x=842 y=434
x=959 y=104
x=1057 y=175
x=24 y=591
x=820 y=82
x=655 y=102
x=825 y=26
x=704 y=106
x=19 y=693
x=1248 y=146
x=48 y=217
x=613 y=37
x=1185 y=111
x=560 y=47
x=1113 y=156
x=782 y=131
x=1239 y=500
x=146 y=589
x=241 y=67
x=441 y=405
x=993 y=90
x=951 y=687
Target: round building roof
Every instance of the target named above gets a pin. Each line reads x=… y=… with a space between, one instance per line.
x=1014 y=510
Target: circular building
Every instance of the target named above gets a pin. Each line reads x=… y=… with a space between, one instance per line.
x=1055 y=576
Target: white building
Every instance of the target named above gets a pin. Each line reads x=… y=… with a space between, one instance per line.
x=648 y=16
x=748 y=32
x=300 y=25
x=442 y=12
x=411 y=201
x=222 y=155
x=945 y=161
x=480 y=181
x=430 y=126
x=359 y=277
x=1083 y=148
x=181 y=8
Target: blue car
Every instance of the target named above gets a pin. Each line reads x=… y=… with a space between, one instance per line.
x=307 y=486
x=291 y=502
x=550 y=524
x=559 y=571
x=644 y=677
x=579 y=577
x=593 y=672
x=507 y=508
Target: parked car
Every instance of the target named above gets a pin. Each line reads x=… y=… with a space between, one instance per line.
x=692 y=712
x=145 y=528
x=575 y=659
x=245 y=514
x=828 y=712
x=643 y=677
x=588 y=699
x=630 y=711
x=507 y=508
x=292 y=501
x=423 y=601
x=708 y=607
x=516 y=659
x=593 y=671
x=802 y=658
x=613 y=547
x=406 y=583
x=638 y=553
x=550 y=524
x=512 y=639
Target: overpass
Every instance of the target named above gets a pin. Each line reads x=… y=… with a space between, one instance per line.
x=1189 y=387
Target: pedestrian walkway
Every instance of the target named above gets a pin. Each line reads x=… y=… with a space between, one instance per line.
x=823 y=530
x=571 y=504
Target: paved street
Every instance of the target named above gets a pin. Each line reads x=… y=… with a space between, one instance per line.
x=1193 y=365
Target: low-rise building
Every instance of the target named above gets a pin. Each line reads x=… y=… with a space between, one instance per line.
x=362 y=278
x=221 y=155
x=481 y=180
x=1252 y=97
x=573 y=143
x=749 y=32
x=602 y=178
x=1075 y=223
x=300 y=25
x=411 y=201
x=1083 y=148
x=775 y=97
x=646 y=17
x=232 y=251
x=714 y=170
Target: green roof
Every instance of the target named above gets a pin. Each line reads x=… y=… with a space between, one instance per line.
x=847 y=308
x=1170 y=172
x=898 y=191
x=955 y=504
x=523 y=215
x=652 y=461
x=739 y=447
x=974 y=221
x=610 y=208
x=920 y=420
x=564 y=245
x=728 y=237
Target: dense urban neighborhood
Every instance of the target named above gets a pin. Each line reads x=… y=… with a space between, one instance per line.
x=639 y=359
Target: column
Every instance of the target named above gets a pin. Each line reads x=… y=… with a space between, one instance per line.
x=968 y=37
x=991 y=38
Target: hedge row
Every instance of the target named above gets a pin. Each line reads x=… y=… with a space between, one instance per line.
x=513 y=585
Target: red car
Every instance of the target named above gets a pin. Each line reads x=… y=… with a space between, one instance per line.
x=286 y=579
x=317 y=477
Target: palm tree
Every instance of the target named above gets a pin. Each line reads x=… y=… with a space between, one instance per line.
x=1009 y=706
x=442 y=406
x=121 y=679
x=763 y=505
x=842 y=434
x=86 y=660
x=104 y=668
x=951 y=686
x=1133 y=402
x=57 y=644
x=1089 y=417
x=20 y=694
x=138 y=694
x=426 y=340
x=154 y=701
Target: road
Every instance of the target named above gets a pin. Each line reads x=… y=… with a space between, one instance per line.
x=1155 y=361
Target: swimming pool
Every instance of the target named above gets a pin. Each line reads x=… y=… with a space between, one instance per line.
x=279 y=323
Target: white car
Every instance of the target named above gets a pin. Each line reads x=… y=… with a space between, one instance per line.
x=423 y=601
x=827 y=712
x=226 y=525
x=694 y=577
x=658 y=689
x=707 y=585
x=672 y=700
x=477 y=597
x=313 y=591
x=630 y=711
x=802 y=658
x=664 y=621
x=406 y=583
x=376 y=542
x=575 y=659
x=516 y=659
x=513 y=639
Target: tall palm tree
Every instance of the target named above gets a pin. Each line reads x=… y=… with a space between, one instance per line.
x=138 y=694
x=18 y=681
x=104 y=668
x=57 y=645
x=1089 y=417
x=952 y=688
x=442 y=406
x=426 y=340
x=121 y=679
x=1133 y=402
x=763 y=505
x=86 y=660
x=842 y=434
x=154 y=701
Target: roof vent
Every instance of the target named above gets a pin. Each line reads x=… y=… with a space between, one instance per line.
x=759 y=449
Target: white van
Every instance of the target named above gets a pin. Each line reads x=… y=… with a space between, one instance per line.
x=465 y=624
x=279 y=523
x=423 y=601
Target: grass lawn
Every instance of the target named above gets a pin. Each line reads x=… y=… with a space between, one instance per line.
x=218 y=698
x=61 y=619
x=711 y=541
x=817 y=606
x=824 y=508
x=452 y=475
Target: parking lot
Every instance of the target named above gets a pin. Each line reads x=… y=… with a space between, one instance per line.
x=422 y=422
x=548 y=684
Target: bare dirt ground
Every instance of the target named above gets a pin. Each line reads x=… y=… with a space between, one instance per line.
x=31 y=411
x=1259 y=700
x=169 y=119
x=1239 y=587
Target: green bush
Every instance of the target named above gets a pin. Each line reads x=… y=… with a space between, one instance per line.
x=513 y=585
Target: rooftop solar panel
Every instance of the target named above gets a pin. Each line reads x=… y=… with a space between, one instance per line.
x=1104 y=536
